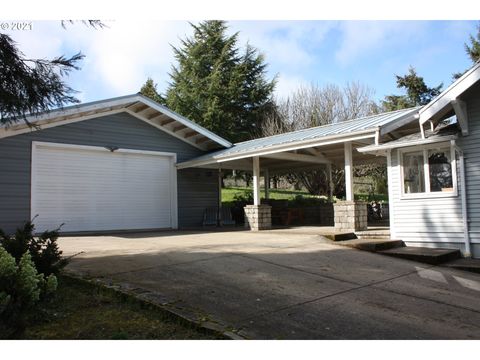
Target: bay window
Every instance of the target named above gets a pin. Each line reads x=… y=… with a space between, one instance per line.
x=428 y=171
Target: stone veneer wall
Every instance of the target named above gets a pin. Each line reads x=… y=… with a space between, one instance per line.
x=350 y=215
x=258 y=217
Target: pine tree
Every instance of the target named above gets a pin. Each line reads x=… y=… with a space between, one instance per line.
x=149 y=89
x=417 y=92
x=217 y=85
x=472 y=50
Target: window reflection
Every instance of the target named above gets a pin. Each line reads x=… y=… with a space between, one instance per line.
x=440 y=170
x=413 y=172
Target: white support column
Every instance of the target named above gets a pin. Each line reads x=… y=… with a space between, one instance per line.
x=330 y=182
x=348 y=171
x=256 y=180
x=219 y=188
x=266 y=179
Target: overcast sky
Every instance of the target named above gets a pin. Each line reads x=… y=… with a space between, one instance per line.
x=121 y=57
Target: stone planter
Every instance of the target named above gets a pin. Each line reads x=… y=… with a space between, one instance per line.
x=350 y=215
x=258 y=217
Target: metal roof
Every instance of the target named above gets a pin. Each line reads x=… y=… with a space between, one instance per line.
x=440 y=134
x=368 y=124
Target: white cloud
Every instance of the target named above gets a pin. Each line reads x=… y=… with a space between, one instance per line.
x=361 y=37
x=287 y=84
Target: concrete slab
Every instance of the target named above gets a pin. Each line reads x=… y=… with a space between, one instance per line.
x=285 y=285
x=339 y=262
x=469 y=264
x=231 y=288
x=365 y=314
x=440 y=285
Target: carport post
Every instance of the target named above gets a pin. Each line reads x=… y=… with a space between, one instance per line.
x=266 y=180
x=348 y=171
x=330 y=182
x=256 y=180
x=257 y=216
x=219 y=197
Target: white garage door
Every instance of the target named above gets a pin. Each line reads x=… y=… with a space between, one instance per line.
x=94 y=189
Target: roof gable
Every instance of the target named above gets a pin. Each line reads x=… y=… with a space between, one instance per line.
x=136 y=105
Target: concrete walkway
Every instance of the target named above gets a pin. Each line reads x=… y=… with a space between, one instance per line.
x=280 y=285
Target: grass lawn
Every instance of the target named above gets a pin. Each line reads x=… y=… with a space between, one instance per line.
x=228 y=194
x=84 y=311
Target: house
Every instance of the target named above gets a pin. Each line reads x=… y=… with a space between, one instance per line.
x=434 y=174
x=107 y=165
x=129 y=163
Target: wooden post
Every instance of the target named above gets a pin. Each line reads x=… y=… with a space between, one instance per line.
x=348 y=171
x=330 y=182
x=266 y=179
x=256 y=180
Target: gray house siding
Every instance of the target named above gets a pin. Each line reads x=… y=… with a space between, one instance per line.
x=424 y=221
x=120 y=130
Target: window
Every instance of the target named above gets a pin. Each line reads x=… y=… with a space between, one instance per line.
x=440 y=167
x=413 y=173
x=429 y=171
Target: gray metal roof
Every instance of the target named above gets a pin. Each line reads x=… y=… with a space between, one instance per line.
x=341 y=129
x=443 y=133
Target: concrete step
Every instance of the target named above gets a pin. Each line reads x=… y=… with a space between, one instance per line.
x=472 y=265
x=376 y=237
x=341 y=236
x=422 y=254
x=373 y=245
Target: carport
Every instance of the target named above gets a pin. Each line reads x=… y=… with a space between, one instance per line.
x=333 y=144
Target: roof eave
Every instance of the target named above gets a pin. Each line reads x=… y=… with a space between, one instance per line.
x=380 y=148
x=328 y=140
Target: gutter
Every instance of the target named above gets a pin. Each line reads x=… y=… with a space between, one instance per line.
x=466 y=234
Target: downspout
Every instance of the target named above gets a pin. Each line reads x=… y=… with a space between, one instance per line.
x=466 y=234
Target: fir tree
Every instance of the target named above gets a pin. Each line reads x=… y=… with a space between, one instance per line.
x=217 y=85
x=417 y=92
x=149 y=89
x=472 y=50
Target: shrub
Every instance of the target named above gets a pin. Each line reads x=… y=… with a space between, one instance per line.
x=21 y=287
x=43 y=249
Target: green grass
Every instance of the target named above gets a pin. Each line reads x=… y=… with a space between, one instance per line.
x=228 y=194
x=81 y=310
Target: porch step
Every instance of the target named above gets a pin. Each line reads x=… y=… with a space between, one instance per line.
x=374 y=234
x=341 y=236
x=472 y=265
x=374 y=245
x=423 y=254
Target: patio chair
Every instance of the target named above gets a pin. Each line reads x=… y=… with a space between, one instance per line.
x=226 y=216
x=210 y=216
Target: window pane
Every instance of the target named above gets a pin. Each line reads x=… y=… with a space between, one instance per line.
x=440 y=169
x=413 y=174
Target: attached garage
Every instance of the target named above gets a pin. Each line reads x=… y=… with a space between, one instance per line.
x=96 y=189
x=106 y=166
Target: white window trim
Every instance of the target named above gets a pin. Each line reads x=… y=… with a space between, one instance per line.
x=173 y=178
x=428 y=194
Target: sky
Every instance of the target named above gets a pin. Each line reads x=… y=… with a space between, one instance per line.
x=120 y=57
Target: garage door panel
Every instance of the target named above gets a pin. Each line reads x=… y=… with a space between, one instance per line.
x=95 y=189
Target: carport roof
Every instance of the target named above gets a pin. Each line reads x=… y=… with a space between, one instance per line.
x=343 y=131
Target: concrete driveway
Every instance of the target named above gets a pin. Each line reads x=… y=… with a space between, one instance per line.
x=280 y=285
